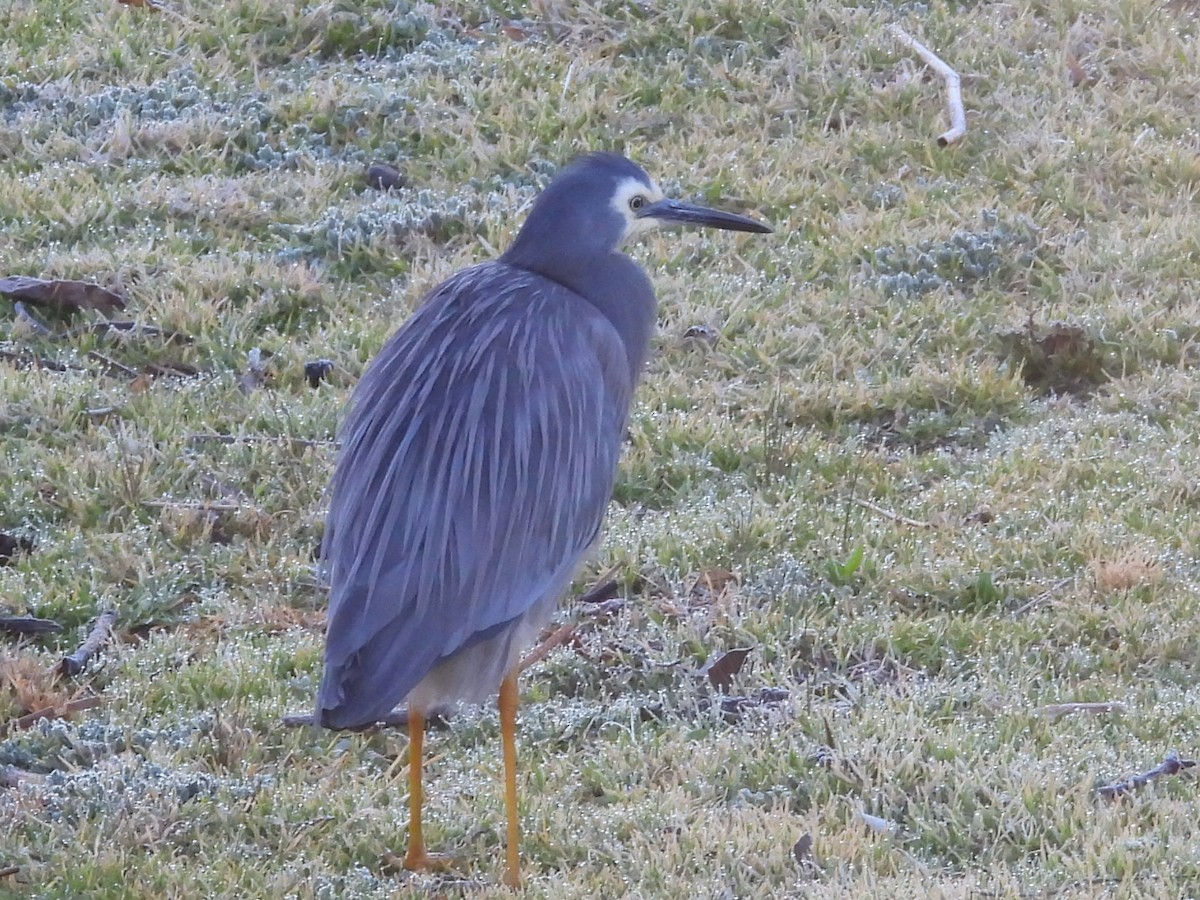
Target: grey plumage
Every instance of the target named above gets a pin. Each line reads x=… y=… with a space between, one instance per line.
x=480 y=449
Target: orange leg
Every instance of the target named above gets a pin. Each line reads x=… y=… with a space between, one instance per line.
x=417 y=858
x=508 y=737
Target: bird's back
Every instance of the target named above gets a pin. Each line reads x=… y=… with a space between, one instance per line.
x=477 y=459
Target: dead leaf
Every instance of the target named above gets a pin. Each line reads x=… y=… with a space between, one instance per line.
x=702 y=334
x=711 y=585
x=256 y=372
x=981 y=516
x=1064 y=359
x=30 y=685
x=802 y=850
x=316 y=370
x=65 y=296
x=1076 y=73
x=11 y=545
x=721 y=671
x=1132 y=569
x=383 y=177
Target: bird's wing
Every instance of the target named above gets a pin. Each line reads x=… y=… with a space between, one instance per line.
x=477 y=460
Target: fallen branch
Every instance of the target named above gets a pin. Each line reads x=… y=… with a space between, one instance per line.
x=604 y=610
x=49 y=712
x=100 y=633
x=66 y=296
x=895 y=517
x=958 y=117
x=542 y=650
x=599 y=593
x=28 y=625
x=1172 y=765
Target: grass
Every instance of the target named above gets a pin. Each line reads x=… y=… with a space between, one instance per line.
x=994 y=346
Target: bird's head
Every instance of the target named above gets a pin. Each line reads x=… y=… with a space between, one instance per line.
x=597 y=203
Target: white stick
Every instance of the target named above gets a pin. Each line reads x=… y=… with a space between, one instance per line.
x=958 y=117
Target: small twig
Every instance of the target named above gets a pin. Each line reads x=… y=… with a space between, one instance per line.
x=397 y=718
x=100 y=633
x=256 y=439
x=542 y=650
x=566 y=85
x=1056 y=711
x=958 y=117
x=1042 y=597
x=49 y=712
x=11 y=776
x=202 y=505
x=24 y=314
x=896 y=517
x=101 y=329
x=1172 y=765
x=113 y=365
x=41 y=362
x=170 y=369
x=28 y=625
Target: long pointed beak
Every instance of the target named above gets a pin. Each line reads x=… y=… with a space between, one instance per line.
x=691 y=214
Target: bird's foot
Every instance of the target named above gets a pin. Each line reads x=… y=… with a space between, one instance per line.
x=420 y=860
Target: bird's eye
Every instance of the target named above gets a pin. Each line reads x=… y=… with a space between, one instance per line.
x=636 y=202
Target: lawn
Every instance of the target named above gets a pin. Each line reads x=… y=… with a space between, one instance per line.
x=930 y=452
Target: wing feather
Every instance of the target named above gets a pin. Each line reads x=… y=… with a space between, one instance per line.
x=478 y=458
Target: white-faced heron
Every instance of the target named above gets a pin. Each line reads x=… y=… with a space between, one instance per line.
x=478 y=457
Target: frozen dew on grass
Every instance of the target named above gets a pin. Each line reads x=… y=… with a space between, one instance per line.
x=963 y=258
x=198 y=177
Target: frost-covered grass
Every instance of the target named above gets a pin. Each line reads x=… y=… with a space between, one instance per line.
x=926 y=547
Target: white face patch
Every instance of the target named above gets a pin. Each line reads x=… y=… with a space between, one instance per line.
x=630 y=196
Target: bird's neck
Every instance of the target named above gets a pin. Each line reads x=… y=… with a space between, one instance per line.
x=615 y=285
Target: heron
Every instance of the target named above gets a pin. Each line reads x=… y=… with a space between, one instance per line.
x=478 y=455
